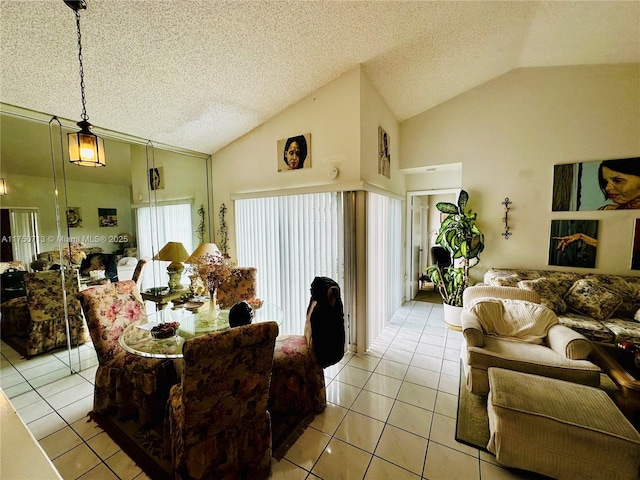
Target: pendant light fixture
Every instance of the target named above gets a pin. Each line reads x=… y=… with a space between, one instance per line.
x=85 y=148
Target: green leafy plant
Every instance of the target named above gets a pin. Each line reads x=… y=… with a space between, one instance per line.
x=464 y=241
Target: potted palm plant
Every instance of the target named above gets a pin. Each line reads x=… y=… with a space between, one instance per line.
x=464 y=241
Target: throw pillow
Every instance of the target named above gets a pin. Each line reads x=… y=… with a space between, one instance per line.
x=549 y=292
x=636 y=317
x=618 y=284
x=514 y=319
x=505 y=281
x=592 y=299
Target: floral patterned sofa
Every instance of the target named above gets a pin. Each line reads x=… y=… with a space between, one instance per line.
x=604 y=308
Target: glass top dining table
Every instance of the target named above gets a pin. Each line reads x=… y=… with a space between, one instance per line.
x=136 y=338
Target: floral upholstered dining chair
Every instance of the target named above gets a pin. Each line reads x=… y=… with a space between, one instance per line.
x=125 y=383
x=217 y=424
x=297 y=380
x=241 y=285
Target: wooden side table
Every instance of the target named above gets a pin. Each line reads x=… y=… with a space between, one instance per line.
x=162 y=299
x=624 y=374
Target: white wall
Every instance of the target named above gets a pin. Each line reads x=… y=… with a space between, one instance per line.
x=509 y=133
x=374 y=113
x=331 y=115
x=38 y=192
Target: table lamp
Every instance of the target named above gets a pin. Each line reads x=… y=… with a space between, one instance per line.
x=197 y=287
x=175 y=253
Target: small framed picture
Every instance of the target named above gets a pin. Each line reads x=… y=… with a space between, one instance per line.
x=156 y=178
x=294 y=153
x=74 y=217
x=107 y=217
x=384 y=155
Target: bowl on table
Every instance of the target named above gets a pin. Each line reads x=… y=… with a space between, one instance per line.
x=164 y=330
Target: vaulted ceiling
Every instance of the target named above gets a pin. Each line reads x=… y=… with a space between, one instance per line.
x=199 y=74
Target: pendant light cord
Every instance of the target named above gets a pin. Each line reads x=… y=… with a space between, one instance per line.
x=84 y=115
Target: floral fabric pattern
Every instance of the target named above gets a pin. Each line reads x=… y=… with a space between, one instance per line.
x=40 y=316
x=14 y=315
x=126 y=384
x=591 y=298
x=297 y=380
x=16 y=264
x=241 y=285
x=548 y=291
x=217 y=424
x=592 y=315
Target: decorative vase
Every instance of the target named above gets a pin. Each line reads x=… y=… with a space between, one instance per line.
x=214 y=309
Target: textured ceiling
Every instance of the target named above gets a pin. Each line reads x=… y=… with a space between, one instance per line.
x=200 y=74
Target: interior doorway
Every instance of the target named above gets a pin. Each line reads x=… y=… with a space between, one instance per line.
x=423 y=222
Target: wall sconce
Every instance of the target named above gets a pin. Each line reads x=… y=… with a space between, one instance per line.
x=85 y=148
x=3 y=187
x=506 y=234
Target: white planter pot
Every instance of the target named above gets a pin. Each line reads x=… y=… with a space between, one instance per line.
x=452 y=316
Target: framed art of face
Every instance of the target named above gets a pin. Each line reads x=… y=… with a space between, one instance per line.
x=599 y=185
x=294 y=153
x=384 y=155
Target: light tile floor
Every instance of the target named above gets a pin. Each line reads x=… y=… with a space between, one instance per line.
x=390 y=413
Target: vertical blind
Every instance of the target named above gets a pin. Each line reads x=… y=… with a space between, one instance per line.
x=24 y=226
x=384 y=262
x=291 y=240
x=155 y=227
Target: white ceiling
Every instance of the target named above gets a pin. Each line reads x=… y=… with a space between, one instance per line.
x=200 y=74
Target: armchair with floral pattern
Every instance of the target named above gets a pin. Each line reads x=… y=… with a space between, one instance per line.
x=126 y=384
x=217 y=424
x=39 y=317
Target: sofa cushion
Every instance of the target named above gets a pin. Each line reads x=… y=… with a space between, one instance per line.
x=587 y=326
x=550 y=293
x=591 y=298
x=627 y=291
x=516 y=319
x=624 y=331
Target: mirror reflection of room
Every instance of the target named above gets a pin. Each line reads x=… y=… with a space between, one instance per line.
x=97 y=225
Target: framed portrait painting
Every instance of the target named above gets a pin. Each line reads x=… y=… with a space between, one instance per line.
x=156 y=178
x=597 y=185
x=294 y=153
x=384 y=155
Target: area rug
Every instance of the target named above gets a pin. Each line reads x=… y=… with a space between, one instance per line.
x=429 y=296
x=145 y=446
x=472 y=422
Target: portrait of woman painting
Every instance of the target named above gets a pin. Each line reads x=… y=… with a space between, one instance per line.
x=599 y=185
x=573 y=243
x=294 y=153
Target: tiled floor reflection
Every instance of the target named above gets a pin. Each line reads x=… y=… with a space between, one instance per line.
x=391 y=413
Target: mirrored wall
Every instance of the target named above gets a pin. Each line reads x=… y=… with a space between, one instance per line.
x=147 y=195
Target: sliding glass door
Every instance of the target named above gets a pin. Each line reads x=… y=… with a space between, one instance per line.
x=291 y=240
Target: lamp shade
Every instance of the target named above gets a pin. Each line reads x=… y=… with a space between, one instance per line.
x=86 y=148
x=172 y=252
x=3 y=187
x=203 y=248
